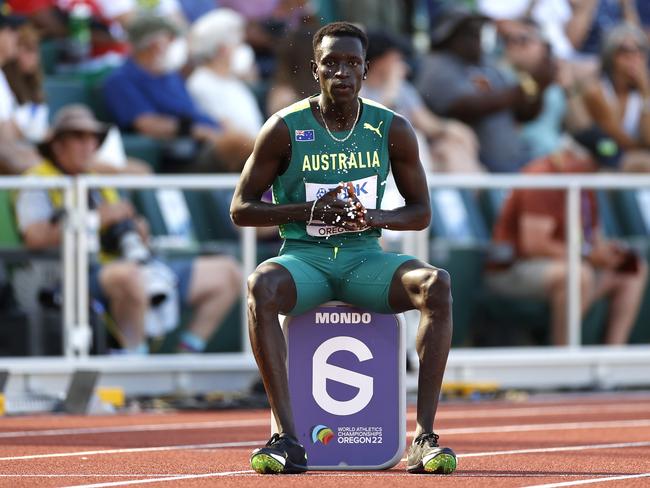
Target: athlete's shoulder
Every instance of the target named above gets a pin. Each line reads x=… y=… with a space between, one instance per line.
x=299 y=106
x=371 y=103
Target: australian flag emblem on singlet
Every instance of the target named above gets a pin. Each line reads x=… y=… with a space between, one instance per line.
x=304 y=135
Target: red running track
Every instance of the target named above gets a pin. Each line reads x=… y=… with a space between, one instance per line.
x=549 y=441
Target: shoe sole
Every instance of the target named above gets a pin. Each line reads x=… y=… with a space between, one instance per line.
x=264 y=463
x=443 y=463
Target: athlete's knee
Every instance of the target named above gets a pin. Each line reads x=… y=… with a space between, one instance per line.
x=262 y=289
x=435 y=289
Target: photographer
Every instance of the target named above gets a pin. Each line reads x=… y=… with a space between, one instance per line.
x=140 y=293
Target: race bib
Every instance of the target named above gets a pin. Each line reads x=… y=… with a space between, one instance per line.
x=366 y=190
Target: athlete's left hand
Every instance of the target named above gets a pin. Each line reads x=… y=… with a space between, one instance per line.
x=357 y=212
x=341 y=207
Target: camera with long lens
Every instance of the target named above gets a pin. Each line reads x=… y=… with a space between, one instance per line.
x=123 y=239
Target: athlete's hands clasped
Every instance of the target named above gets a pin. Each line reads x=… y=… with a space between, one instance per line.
x=347 y=213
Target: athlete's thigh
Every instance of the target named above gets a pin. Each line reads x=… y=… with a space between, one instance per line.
x=311 y=285
x=369 y=283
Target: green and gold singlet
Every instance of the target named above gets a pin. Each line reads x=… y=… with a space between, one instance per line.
x=319 y=163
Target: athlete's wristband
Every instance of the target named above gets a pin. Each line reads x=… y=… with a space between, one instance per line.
x=311 y=213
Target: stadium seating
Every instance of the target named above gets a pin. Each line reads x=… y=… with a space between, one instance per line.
x=64 y=90
x=197 y=236
x=632 y=208
x=459 y=243
x=460 y=229
x=9 y=237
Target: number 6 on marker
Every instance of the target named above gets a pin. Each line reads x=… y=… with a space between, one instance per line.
x=322 y=371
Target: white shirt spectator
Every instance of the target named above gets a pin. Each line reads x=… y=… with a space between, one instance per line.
x=7 y=100
x=226 y=99
x=551 y=15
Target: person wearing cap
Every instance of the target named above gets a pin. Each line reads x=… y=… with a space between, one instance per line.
x=216 y=39
x=210 y=285
x=619 y=101
x=148 y=96
x=448 y=145
x=455 y=81
x=532 y=226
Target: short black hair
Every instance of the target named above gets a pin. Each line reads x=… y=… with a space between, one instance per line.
x=339 y=29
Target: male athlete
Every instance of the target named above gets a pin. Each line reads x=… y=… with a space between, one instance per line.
x=315 y=153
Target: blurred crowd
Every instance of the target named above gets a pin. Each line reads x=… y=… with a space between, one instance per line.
x=489 y=86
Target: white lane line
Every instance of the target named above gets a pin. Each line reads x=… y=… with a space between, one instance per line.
x=159 y=477
x=93 y=475
x=541 y=410
x=351 y=474
x=179 y=447
x=462 y=431
x=499 y=429
x=265 y=422
x=160 y=480
x=137 y=428
x=583 y=447
x=462 y=414
x=590 y=481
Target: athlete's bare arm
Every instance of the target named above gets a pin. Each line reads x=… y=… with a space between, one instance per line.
x=410 y=179
x=270 y=156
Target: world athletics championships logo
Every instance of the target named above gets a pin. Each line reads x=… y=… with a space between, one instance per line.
x=321 y=433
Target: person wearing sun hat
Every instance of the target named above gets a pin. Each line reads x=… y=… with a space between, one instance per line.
x=126 y=276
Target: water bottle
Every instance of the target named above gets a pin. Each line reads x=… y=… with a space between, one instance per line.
x=79 y=26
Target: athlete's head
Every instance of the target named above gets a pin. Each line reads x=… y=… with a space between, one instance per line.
x=339 y=62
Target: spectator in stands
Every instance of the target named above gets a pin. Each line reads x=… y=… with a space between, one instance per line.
x=129 y=277
x=525 y=50
x=292 y=79
x=268 y=22
x=25 y=78
x=15 y=156
x=552 y=16
x=456 y=82
x=214 y=87
x=532 y=224
x=592 y=19
x=619 y=102
x=144 y=96
x=44 y=14
x=446 y=145
x=386 y=15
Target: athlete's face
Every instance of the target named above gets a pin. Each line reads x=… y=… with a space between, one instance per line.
x=340 y=66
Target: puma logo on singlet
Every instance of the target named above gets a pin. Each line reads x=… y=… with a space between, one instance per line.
x=366 y=125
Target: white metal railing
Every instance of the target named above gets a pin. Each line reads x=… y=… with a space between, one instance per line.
x=75 y=307
x=186 y=182
x=572 y=184
x=64 y=184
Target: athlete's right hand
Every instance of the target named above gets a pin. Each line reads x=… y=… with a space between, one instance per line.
x=347 y=213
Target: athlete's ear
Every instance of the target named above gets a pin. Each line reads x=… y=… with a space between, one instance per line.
x=365 y=69
x=314 y=69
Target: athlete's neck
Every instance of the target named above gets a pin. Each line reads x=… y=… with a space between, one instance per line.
x=339 y=115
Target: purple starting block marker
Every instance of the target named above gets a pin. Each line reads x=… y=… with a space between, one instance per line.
x=347 y=384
